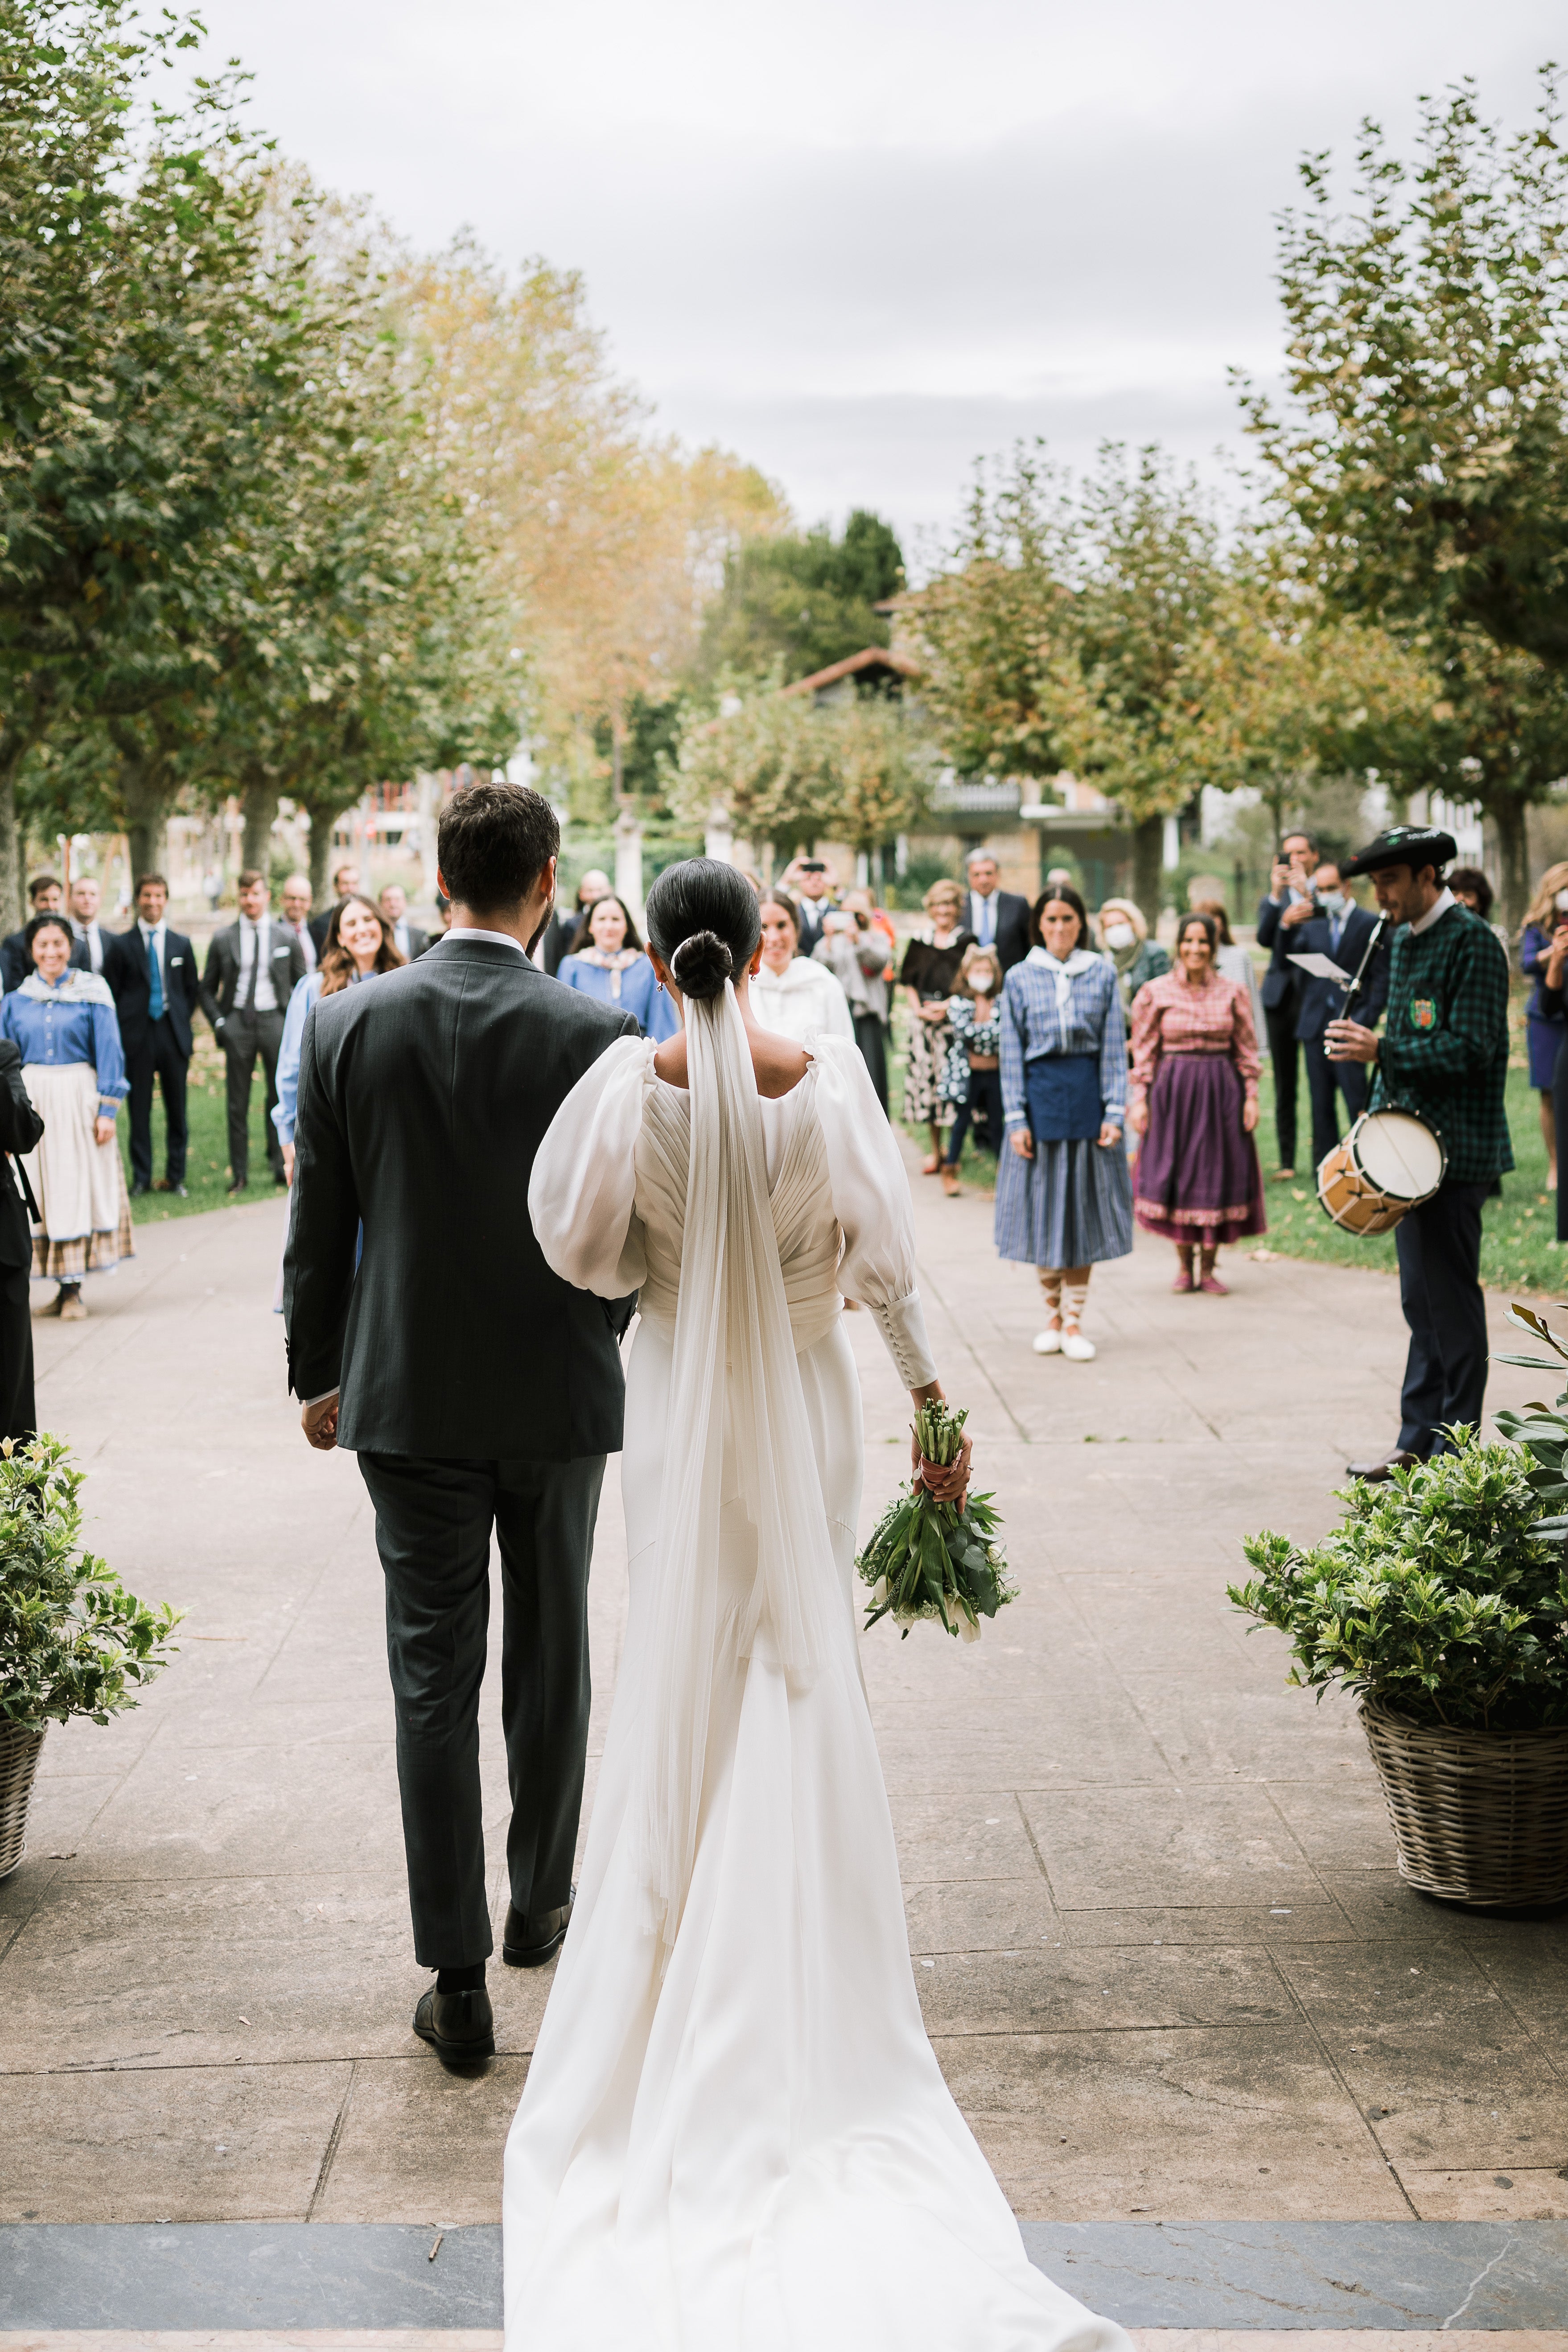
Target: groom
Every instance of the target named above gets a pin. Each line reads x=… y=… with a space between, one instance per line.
x=478 y=1389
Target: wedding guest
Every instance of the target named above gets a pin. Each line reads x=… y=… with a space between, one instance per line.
x=154 y=980
x=861 y=902
x=86 y=897
x=812 y=883
x=1064 y=1198
x=998 y=918
x=565 y=922
x=295 y=897
x=253 y=968
x=1543 y=1031
x=345 y=880
x=1343 y=933
x=1472 y=890
x=20 y=1128
x=790 y=992
x=973 y=1079
x=45 y=895
x=408 y=938
x=857 y=956
x=929 y=967
x=1125 y=936
x=359 y=945
x=1553 y=987
x=611 y=963
x=1288 y=904
x=1194 y=1101
x=62 y=1020
x=1233 y=962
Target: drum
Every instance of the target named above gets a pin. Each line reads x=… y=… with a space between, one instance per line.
x=1389 y=1162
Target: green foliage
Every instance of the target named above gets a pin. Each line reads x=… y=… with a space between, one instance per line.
x=72 y=1640
x=930 y=1560
x=1438 y=1594
x=800 y=601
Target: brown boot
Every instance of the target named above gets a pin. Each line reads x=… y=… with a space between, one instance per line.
x=1183 y=1280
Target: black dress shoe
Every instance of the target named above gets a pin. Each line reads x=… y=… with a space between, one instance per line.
x=1375 y=1472
x=460 y=2027
x=137 y=1190
x=528 y=1943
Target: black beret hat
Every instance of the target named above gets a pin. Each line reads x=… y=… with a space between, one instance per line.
x=1403 y=845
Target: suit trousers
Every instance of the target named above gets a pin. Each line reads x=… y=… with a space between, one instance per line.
x=1439 y=1247
x=871 y=1038
x=158 y=1056
x=19 y=1414
x=433 y=1523
x=1279 y=1020
x=245 y=1035
x=986 y=1095
x=1325 y=1079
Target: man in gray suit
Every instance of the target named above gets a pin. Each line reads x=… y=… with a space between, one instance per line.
x=478 y=1389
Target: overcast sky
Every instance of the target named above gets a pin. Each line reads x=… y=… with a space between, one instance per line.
x=863 y=243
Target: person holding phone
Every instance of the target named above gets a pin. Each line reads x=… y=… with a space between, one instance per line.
x=812 y=883
x=1289 y=888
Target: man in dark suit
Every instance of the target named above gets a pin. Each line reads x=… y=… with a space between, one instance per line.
x=20 y=1128
x=815 y=900
x=565 y=922
x=154 y=980
x=409 y=939
x=478 y=1389
x=1340 y=930
x=344 y=882
x=1288 y=906
x=998 y=918
x=45 y=895
x=252 y=968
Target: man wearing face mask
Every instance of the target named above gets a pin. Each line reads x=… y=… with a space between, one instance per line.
x=1339 y=929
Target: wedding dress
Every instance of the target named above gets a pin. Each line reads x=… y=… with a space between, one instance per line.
x=734 y=2134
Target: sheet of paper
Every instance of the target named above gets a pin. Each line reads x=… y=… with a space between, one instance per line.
x=1320 y=967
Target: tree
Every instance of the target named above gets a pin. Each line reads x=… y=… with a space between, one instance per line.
x=761 y=761
x=1424 y=456
x=879 y=767
x=799 y=601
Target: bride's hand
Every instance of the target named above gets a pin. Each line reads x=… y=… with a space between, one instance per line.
x=944 y=1486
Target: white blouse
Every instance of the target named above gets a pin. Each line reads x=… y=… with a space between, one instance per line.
x=607 y=1197
x=798 y=1004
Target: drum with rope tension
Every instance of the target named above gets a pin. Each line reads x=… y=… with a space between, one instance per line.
x=1389 y=1164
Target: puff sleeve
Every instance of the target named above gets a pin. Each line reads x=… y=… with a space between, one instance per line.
x=871 y=1201
x=581 y=1193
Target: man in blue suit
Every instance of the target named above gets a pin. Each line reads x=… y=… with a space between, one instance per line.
x=1340 y=930
x=1279 y=917
x=152 y=977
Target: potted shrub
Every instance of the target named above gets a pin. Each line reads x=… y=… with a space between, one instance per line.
x=1441 y=1599
x=72 y=1640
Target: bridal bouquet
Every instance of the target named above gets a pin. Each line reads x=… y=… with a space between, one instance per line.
x=933 y=1560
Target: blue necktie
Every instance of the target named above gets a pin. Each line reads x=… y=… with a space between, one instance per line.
x=155 y=980
x=987 y=918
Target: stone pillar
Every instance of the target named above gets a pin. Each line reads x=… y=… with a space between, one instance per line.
x=628 y=860
x=719 y=841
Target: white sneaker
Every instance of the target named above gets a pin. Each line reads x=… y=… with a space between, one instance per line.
x=1077 y=1349
x=1048 y=1343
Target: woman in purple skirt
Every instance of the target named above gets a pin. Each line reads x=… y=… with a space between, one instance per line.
x=1194 y=1101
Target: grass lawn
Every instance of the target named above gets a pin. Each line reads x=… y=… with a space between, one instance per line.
x=206 y=1165
x=1518 y=1247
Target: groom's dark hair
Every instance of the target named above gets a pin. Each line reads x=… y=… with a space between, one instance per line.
x=492 y=843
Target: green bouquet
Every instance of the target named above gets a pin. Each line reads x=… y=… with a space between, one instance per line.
x=933 y=1559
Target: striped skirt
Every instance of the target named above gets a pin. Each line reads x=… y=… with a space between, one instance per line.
x=1072 y=1205
x=79 y=1183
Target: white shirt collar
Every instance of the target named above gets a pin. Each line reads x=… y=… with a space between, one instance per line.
x=148 y=930
x=1435 y=913
x=495 y=939
x=1081 y=959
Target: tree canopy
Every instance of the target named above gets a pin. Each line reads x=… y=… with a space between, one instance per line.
x=800 y=601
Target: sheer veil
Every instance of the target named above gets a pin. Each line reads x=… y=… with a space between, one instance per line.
x=738 y=1420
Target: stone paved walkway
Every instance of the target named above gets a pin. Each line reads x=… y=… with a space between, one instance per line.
x=1164 y=1955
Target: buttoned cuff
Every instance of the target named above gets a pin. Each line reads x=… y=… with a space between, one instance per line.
x=902 y=1325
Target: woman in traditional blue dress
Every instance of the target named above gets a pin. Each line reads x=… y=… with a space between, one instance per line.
x=612 y=965
x=64 y=1022
x=1064 y=1197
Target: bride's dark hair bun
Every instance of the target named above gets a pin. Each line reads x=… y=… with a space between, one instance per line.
x=701 y=964
x=703 y=922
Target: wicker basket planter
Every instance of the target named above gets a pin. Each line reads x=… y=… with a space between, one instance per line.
x=1476 y=1819
x=18 y=1762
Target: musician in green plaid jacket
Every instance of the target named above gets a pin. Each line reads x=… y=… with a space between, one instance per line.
x=1443 y=1055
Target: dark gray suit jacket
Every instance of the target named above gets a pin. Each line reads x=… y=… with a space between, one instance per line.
x=423 y=1100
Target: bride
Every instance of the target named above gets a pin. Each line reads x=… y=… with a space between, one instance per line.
x=735 y=2137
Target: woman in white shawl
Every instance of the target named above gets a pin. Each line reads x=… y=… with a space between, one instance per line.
x=734 y=2134
x=793 y=995
x=65 y=1024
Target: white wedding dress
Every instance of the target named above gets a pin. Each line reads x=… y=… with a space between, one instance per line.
x=734 y=2135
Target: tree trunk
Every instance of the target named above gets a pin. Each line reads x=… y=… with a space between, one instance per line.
x=1148 y=867
x=321 y=850
x=260 y=803
x=1508 y=814
x=146 y=809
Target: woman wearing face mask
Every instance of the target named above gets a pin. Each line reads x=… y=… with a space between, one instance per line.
x=1064 y=1198
x=1194 y=1099
x=1544 y=1030
x=1125 y=936
x=611 y=963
